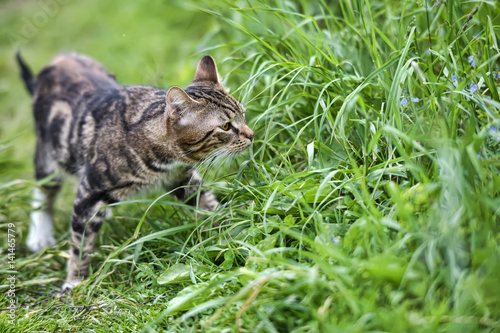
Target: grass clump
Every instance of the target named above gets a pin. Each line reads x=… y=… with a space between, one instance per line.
x=369 y=201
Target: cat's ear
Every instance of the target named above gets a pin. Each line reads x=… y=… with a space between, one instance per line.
x=207 y=70
x=177 y=101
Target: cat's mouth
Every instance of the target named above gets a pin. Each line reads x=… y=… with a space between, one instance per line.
x=228 y=151
x=239 y=146
x=221 y=152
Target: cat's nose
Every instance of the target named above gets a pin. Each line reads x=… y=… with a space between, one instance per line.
x=250 y=135
x=247 y=133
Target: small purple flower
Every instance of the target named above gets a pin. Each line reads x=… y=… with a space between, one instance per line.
x=471 y=59
x=478 y=155
x=473 y=63
x=454 y=77
x=336 y=240
x=415 y=99
x=403 y=102
x=493 y=129
x=498 y=75
x=473 y=89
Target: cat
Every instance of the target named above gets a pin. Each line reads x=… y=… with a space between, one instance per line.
x=118 y=139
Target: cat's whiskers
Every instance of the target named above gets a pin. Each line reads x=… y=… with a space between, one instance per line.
x=212 y=159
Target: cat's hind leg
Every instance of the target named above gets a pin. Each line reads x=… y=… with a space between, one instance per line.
x=88 y=215
x=41 y=232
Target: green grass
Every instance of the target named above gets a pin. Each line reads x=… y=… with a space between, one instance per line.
x=351 y=212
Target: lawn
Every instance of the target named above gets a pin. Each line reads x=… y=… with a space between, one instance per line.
x=369 y=201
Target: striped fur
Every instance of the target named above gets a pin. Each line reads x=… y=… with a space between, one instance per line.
x=118 y=139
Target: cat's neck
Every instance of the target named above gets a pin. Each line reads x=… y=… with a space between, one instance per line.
x=157 y=141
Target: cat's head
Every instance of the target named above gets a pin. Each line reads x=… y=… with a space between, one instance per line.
x=204 y=120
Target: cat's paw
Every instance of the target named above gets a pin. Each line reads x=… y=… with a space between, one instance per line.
x=37 y=243
x=70 y=284
x=108 y=213
x=41 y=233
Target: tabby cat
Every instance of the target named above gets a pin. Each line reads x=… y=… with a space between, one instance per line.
x=118 y=139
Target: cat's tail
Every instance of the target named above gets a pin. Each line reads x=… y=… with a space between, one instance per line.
x=26 y=73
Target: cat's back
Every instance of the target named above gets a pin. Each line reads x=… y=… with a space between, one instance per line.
x=70 y=75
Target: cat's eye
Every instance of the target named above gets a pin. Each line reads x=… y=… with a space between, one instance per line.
x=225 y=127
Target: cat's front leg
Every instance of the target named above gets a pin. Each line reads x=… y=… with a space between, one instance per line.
x=41 y=229
x=189 y=186
x=86 y=221
x=208 y=200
